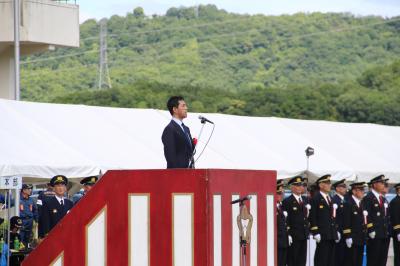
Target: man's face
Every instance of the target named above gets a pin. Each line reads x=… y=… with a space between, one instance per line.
x=325 y=187
x=297 y=189
x=279 y=196
x=385 y=189
x=358 y=193
x=304 y=186
x=60 y=189
x=86 y=188
x=379 y=187
x=341 y=190
x=180 y=112
x=27 y=191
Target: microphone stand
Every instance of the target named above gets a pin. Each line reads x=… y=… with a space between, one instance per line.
x=243 y=242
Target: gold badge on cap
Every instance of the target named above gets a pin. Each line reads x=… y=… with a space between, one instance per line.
x=93 y=179
x=59 y=178
x=298 y=179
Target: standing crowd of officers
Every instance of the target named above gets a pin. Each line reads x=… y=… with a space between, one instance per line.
x=341 y=225
x=50 y=207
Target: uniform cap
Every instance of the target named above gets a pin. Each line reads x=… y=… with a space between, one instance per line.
x=59 y=179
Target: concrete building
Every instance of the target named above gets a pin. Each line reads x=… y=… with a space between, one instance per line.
x=43 y=24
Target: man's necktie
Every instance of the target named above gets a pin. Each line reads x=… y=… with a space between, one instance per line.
x=187 y=134
x=381 y=201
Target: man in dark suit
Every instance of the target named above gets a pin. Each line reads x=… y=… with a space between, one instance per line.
x=323 y=224
x=297 y=208
x=378 y=227
x=178 y=143
x=354 y=226
x=55 y=208
x=284 y=239
x=395 y=219
x=338 y=199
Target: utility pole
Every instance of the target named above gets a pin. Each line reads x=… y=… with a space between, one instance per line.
x=104 y=74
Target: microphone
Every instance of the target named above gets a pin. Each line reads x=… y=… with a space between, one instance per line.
x=248 y=197
x=203 y=120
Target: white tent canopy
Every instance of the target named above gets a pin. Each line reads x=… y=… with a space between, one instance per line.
x=42 y=140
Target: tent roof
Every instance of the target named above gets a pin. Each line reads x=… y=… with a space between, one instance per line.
x=42 y=140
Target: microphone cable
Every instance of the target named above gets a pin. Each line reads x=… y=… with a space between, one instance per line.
x=208 y=140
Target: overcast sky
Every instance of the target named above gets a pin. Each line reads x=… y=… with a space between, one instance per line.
x=106 y=8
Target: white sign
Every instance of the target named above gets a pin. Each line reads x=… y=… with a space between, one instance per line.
x=10 y=182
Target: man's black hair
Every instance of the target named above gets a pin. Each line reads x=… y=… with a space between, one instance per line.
x=173 y=102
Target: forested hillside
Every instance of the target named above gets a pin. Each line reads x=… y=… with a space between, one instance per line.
x=313 y=66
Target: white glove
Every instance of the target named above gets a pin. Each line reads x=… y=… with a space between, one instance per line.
x=398 y=237
x=349 y=242
x=290 y=240
x=338 y=237
x=317 y=238
x=372 y=235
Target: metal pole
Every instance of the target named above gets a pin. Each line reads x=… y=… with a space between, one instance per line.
x=17 y=201
x=8 y=233
x=16 y=49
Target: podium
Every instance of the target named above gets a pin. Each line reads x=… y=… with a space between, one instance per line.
x=179 y=217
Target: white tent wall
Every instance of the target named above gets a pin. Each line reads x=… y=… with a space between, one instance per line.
x=42 y=140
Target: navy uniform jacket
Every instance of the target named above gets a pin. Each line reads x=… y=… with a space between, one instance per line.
x=42 y=196
x=354 y=226
x=283 y=240
x=394 y=207
x=27 y=212
x=377 y=220
x=52 y=212
x=321 y=219
x=297 y=220
x=178 y=148
x=339 y=212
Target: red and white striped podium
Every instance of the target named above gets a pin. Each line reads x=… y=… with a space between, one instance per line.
x=165 y=217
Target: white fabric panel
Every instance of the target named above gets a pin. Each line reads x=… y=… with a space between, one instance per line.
x=183 y=230
x=139 y=230
x=217 y=234
x=96 y=238
x=41 y=140
x=58 y=261
x=270 y=230
x=235 y=233
x=254 y=232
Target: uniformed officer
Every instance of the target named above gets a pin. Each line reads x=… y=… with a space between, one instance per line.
x=55 y=208
x=15 y=229
x=339 y=199
x=42 y=196
x=322 y=223
x=378 y=228
x=88 y=183
x=284 y=239
x=27 y=212
x=354 y=225
x=297 y=208
x=387 y=217
x=394 y=207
